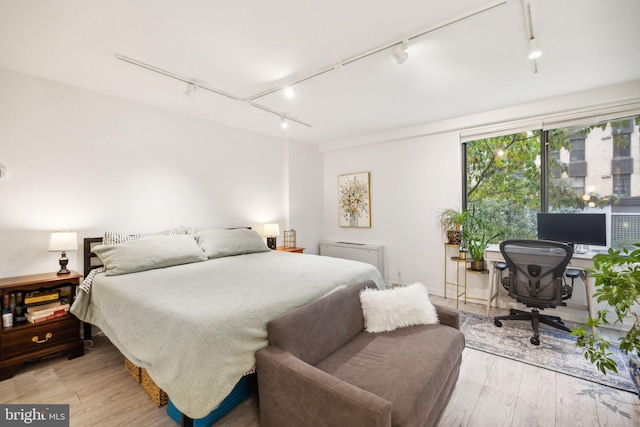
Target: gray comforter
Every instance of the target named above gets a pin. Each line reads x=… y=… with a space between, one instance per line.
x=196 y=327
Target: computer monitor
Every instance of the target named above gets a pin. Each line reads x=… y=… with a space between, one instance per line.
x=573 y=228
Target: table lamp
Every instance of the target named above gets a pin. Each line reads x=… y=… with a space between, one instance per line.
x=271 y=231
x=63 y=242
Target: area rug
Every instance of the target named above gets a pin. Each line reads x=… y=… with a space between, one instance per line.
x=556 y=352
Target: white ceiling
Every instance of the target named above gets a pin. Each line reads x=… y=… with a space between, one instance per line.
x=246 y=47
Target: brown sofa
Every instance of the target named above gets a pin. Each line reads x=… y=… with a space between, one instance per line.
x=322 y=368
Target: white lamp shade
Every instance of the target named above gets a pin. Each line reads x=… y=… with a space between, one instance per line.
x=271 y=230
x=63 y=241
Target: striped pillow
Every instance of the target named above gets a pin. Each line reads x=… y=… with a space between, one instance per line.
x=110 y=238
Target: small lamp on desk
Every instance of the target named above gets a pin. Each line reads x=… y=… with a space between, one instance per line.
x=63 y=242
x=271 y=231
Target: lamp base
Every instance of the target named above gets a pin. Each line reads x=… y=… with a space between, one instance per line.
x=271 y=242
x=63 y=264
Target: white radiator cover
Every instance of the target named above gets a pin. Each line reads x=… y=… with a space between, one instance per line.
x=371 y=254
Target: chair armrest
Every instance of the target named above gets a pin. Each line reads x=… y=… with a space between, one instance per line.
x=448 y=316
x=294 y=393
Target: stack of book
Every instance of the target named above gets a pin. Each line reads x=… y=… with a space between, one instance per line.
x=44 y=312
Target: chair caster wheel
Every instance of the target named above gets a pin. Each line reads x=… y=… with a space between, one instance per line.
x=497 y=323
x=535 y=341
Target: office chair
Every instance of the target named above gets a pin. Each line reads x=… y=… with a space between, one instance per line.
x=535 y=279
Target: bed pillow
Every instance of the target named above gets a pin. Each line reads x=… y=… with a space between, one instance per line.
x=149 y=253
x=390 y=309
x=222 y=242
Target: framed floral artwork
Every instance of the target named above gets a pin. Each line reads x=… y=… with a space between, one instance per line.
x=354 y=206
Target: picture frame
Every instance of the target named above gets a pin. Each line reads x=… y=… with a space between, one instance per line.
x=354 y=201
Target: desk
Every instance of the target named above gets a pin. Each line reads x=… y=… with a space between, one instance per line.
x=582 y=262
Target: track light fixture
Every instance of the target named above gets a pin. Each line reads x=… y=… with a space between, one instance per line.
x=534 y=50
x=399 y=52
x=191 y=88
x=289 y=92
x=283 y=123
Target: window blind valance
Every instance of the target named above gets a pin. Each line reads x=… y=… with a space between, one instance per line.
x=585 y=116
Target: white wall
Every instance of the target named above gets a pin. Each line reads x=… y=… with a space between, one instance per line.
x=83 y=161
x=411 y=181
x=305 y=195
x=415 y=173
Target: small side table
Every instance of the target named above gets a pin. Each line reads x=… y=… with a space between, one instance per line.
x=460 y=263
x=294 y=250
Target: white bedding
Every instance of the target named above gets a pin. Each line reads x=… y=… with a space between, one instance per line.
x=196 y=327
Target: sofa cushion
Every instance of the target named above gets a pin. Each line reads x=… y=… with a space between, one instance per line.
x=410 y=367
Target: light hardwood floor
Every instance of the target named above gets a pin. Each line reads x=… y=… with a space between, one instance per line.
x=491 y=391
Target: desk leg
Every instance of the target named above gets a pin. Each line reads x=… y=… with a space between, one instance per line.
x=589 y=290
x=492 y=279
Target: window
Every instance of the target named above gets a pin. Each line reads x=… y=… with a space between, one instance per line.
x=622 y=185
x=587 y=168
x=503 y=181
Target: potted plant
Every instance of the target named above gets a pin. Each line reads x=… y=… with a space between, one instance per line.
x=477 y=232
x=617 y=282
x=450 y=221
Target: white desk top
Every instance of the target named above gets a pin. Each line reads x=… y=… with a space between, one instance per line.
x=492 y=253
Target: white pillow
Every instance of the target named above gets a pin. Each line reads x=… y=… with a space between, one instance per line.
x=390 y=309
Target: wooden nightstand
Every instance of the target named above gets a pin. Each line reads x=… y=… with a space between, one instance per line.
x=296 y=250
x=25 y=341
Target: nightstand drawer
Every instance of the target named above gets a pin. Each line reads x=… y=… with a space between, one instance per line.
x=32 y=338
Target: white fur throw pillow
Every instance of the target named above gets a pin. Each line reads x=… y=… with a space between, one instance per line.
x=390 y=309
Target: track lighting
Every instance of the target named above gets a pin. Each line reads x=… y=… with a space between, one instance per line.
x=191 y=88
x=534 y=50
x=399 y=52
x=283 y=123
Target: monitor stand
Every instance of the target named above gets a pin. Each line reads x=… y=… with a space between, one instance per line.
x=581 y=249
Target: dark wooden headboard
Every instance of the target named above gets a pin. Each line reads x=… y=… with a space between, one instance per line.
x=91 y=260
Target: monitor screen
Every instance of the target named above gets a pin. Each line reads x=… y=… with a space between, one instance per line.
x=574 y=228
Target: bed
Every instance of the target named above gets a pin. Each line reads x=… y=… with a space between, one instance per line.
x=196 y=326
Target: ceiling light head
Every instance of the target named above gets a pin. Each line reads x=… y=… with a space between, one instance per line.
x=534 y=50
x=191 y=88
x=289 y=92
x=399 y=52
x=283 y=123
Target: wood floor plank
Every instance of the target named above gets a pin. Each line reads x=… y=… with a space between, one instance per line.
x=462 y=403
x=576 y=393
x=539 y=387
x=531 y=413
x=505 y=375
x=567 y=416
x=494 y=408
x=477 y=366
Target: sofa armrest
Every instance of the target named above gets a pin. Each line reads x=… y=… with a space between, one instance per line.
x=294 y=393
x=448 y=316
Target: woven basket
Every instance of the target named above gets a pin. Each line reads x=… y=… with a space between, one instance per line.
x=134 y=370
x=156 y=393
